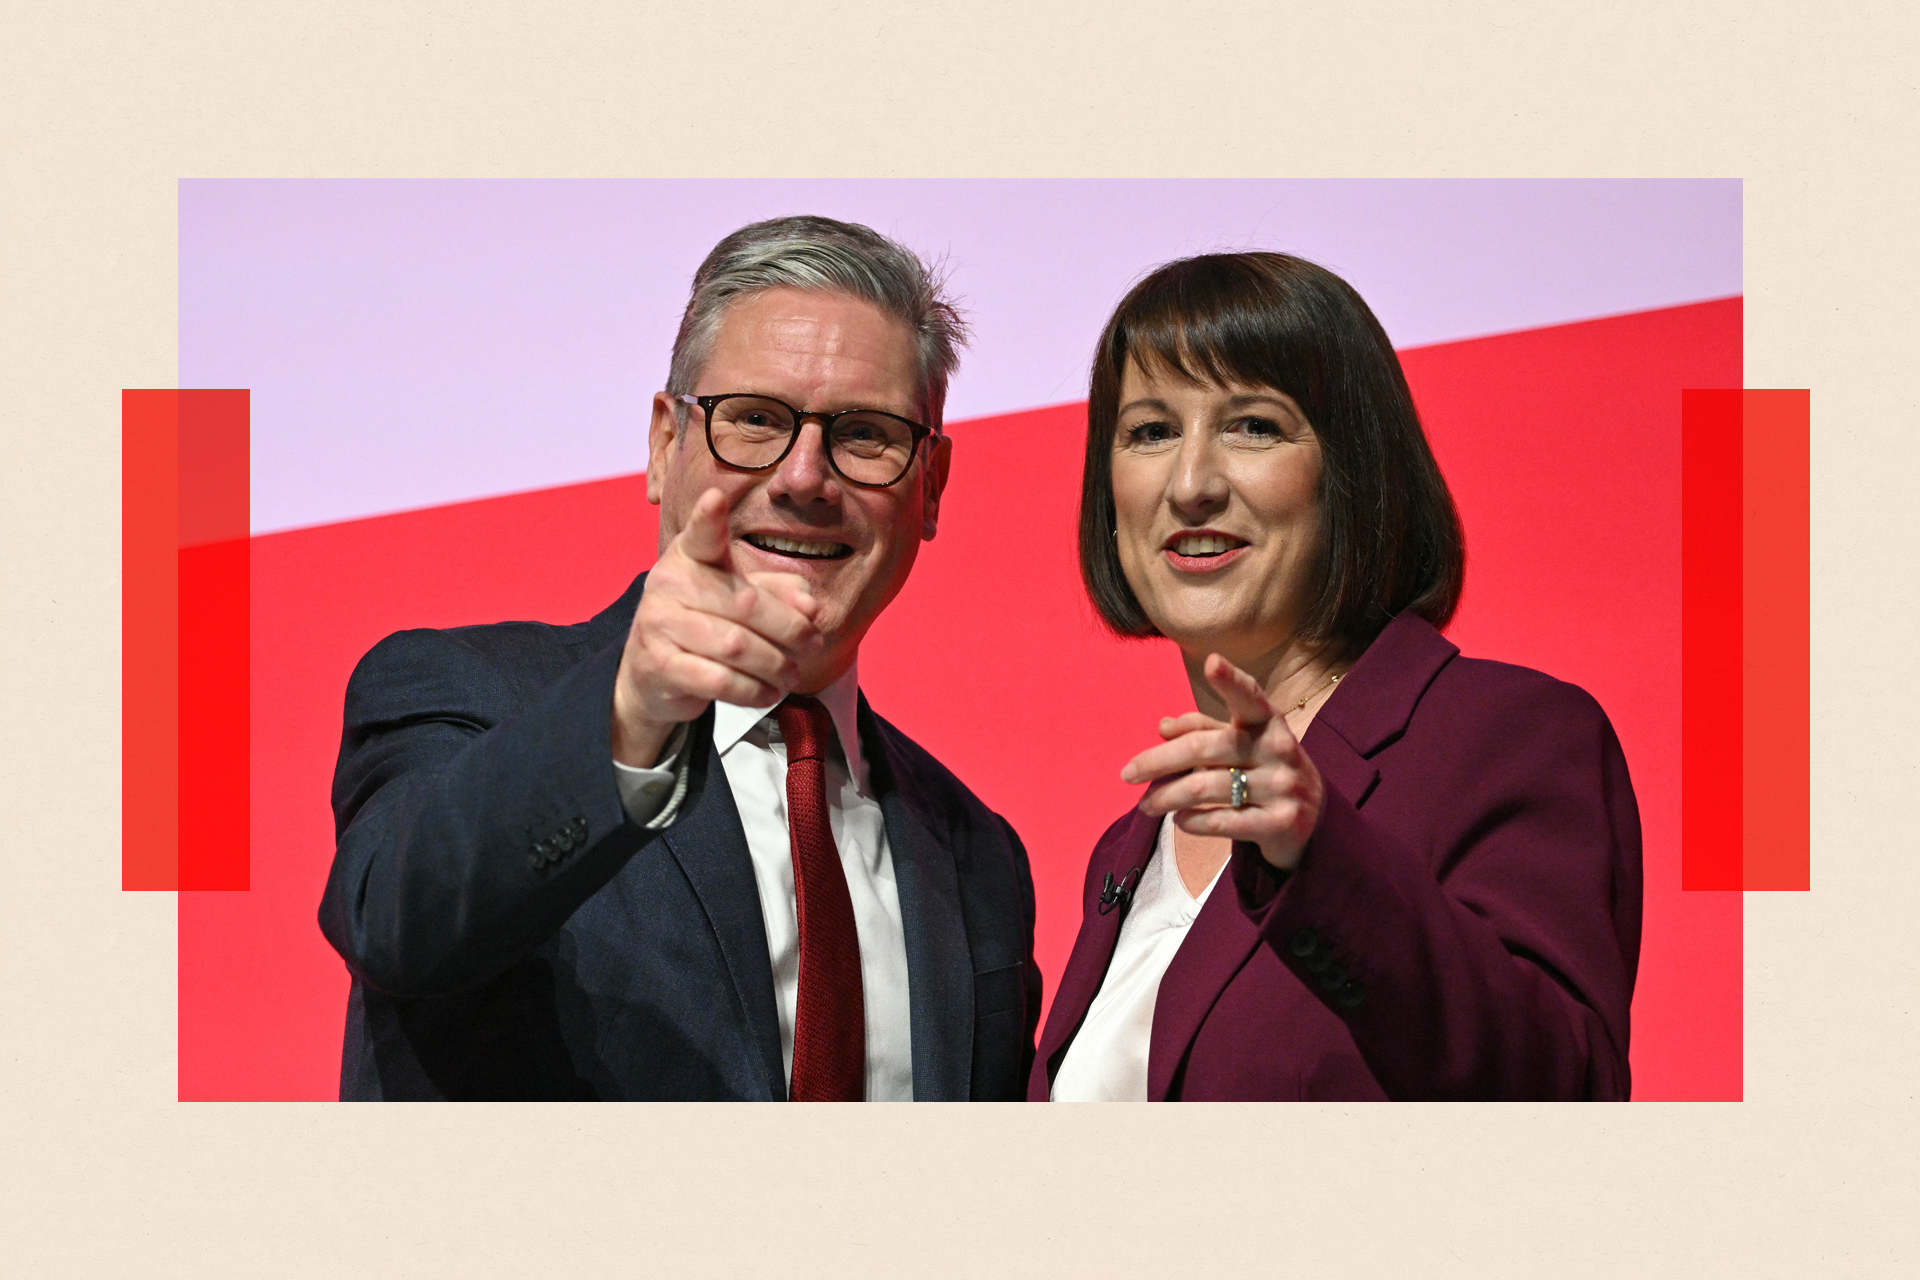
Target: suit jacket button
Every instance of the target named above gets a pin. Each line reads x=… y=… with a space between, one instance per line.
x=1318 y=962
x=544 y=849
x=1303 y=942
x=1350 y=996
x=1332 y=977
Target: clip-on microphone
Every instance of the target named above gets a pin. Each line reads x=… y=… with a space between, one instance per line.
x=1118 y=895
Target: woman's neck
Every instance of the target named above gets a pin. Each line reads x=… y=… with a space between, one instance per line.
x=1292 y=672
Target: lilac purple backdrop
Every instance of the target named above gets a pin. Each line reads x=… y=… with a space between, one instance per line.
x=412 y=343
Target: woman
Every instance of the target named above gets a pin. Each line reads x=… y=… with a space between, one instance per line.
x=1365 y=866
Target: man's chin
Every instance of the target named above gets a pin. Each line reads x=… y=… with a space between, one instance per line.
x=822 y=669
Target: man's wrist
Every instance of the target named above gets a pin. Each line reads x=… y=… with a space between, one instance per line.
x=652 y=796
x=637 y=743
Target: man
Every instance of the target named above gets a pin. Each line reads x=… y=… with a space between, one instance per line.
x=670 y=852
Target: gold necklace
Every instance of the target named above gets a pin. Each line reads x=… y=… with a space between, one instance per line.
x=1301 y=705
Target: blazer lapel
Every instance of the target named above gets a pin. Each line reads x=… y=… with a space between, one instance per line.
x=710 y=845
x=939 y=959
x=1343 y=768
x=1369 y=710
x=1217 y=944
x=1374 y=702
x=1127 y=845
x=1372 y=705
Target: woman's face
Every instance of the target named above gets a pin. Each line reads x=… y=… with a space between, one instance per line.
x=1218 y=520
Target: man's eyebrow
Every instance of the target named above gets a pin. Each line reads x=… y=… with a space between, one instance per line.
x=869 y=407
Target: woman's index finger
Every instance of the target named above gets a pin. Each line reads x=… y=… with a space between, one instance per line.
x=1247 y=703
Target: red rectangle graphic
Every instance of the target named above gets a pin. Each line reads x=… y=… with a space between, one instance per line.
x=213 y=671
x=1710 y=640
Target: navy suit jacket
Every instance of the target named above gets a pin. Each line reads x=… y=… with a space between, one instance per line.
x=511 y=934
x=1464 y=922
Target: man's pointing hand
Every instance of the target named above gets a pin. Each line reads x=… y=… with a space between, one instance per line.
x=702 y=634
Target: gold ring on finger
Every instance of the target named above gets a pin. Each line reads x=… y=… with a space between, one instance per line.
x=1237 y=794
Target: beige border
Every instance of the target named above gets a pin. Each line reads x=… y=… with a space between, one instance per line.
x=106 y=107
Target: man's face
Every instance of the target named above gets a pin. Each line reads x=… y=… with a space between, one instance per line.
x=818 y=352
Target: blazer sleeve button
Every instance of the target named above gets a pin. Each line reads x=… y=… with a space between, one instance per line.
x=1351 y=996
x=1303 y=942
x=1332 y=977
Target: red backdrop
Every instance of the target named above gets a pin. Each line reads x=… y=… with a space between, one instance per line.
x=1562 y=446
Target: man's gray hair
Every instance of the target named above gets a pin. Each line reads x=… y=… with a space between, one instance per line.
x=821 y=255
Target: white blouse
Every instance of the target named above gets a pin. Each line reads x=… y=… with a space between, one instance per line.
x=1107 y=1061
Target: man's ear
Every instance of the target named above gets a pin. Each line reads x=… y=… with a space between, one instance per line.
x=663 y=434
x=934 y=480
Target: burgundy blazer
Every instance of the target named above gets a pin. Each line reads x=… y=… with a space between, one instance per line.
x=1464 y=922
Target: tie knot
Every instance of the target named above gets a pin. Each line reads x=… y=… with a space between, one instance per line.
x=805 y=726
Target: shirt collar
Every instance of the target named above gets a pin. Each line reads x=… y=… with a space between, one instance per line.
x=842 y=701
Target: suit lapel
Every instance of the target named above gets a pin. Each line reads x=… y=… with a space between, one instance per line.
x=1217 y=944
x=939 y=959
x=1222 y=937
x=1343 y=768
x=1373 y=704
x=710 y=845
x=1369 y=710
x=1127 y=845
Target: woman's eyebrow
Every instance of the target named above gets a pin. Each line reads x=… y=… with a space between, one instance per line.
x=1146 y=403
x=1259 y=398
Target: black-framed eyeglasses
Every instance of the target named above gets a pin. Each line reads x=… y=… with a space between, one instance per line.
x=754 y=433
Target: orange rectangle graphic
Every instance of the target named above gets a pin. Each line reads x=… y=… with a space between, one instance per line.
x=149 y=639
x=1775 y=651
x=184 y=639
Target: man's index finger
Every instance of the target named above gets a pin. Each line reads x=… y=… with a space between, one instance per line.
x=704 y=539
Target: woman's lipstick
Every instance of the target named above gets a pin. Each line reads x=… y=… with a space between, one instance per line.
x=1210 y=549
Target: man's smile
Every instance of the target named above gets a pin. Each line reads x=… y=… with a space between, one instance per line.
x=798 y=549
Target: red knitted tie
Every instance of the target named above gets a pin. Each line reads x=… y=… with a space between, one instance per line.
x=829 y=1019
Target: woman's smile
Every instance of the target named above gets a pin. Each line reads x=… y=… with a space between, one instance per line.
x=1202 y=550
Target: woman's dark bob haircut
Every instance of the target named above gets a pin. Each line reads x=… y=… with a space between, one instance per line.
x=1390 y=537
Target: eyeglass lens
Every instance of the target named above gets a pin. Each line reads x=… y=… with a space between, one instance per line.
x=872 y=448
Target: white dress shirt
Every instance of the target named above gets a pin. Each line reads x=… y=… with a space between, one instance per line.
x=755 y=759
x=1107 y=1061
